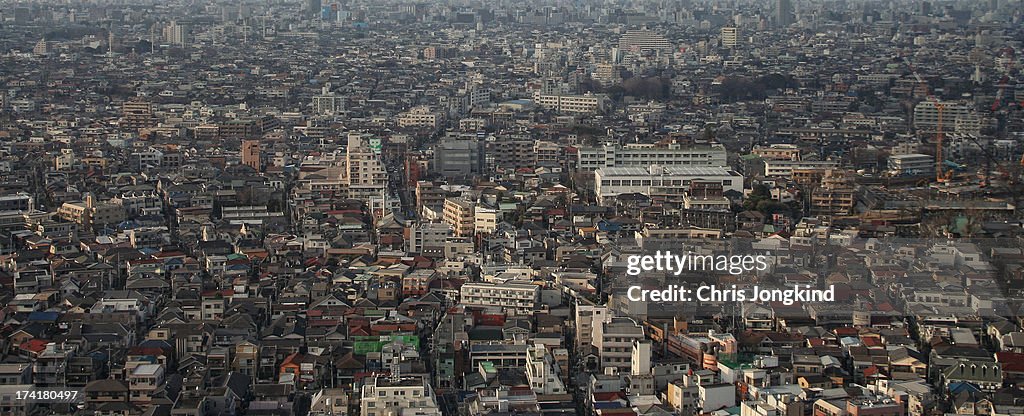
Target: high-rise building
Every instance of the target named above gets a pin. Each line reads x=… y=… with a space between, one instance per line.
x=613 y=341
x=137 y=115
x=784 y=13
x=176 y=34
x=313 y=7
x=730 y=37
x=364 y=174
x=643 y=40
x=926 y=116
x=41 y=48
x=251 y=153
x=459 y=155
x=835 y=196
x=459 y=213
x=328 y=103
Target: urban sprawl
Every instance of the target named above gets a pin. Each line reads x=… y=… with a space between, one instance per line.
x=436 y=208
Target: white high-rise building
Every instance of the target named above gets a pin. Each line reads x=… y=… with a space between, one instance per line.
x=587 y=317
x=641 y=357
x=176 y=34
x=364 y=173
x=926 y=116
x=730 y=37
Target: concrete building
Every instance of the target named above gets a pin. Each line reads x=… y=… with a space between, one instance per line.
x=572 y=104
x=137 y=115
x=612 y=182
x=643 y=40
x=784 y=13
x=486 y=219
x=911 y=164
x=613 y=342
x=586 y=318
x=635 y=154
x=459 y=214
x=90 y=213
x=730 y=37
x=394 y=395
x=459 y=155
x=364 y=174
x=251 y=154
x=835 y=196
x=428 y=238
x=328 y=103
x=177 y=34
x=514 y=297
x=778 y=152
x=16 y=202
x=542 y=372
x=607 y=74
x=793 y=169
x=926 y=116
x=421 y=116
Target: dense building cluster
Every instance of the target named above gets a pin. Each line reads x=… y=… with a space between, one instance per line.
x=428 y=207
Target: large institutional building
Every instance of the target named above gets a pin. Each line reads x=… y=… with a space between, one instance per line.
x=614 y=181
x=634 y=154
x=575 y=104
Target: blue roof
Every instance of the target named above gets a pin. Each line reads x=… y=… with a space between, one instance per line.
x=958 y=386
x=605 y=225
x=607 y=405
x=43 y=316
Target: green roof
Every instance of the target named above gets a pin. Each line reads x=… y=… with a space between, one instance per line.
x=736 y=361
x=363 y=345
x=488 y=366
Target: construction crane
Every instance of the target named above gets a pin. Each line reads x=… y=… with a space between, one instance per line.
x=939 y=176
x=1001 y=90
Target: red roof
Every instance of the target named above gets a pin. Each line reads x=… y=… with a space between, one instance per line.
x=34 y=345
x=884 y=307
x=607 y=397
x=1012 y=362
x=145 y=351
x=871 y=342
x=845 y=331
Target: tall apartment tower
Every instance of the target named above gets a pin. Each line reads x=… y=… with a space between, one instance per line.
x=730 y=37
x=364 y=173
x=784 y=13
x=251 y=154
x=313 y=7
x=176 y=34
x=137 y=115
